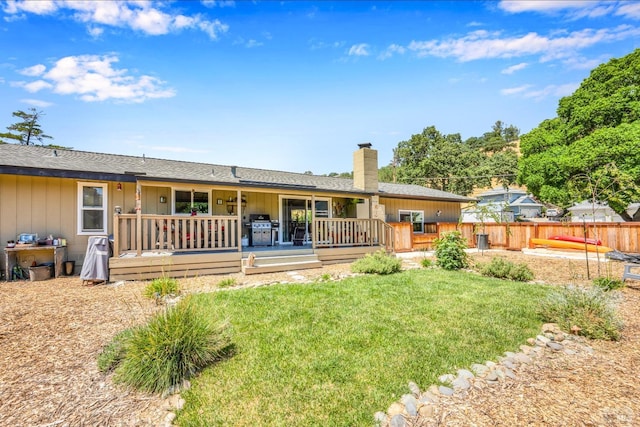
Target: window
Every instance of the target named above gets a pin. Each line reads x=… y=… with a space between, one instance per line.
x=92 y=208
x=184 y=200
x=414 y=217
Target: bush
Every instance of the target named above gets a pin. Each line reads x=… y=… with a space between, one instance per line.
x=590 y=309
x=379 y=262
x=504 y=269
x=608 y=284
x=450 y=251
x=161 y=287
x=227 y=283
x=426 y=262
x=172 y=347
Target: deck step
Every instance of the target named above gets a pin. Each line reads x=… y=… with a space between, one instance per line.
x=273 y=264
x=275 y=268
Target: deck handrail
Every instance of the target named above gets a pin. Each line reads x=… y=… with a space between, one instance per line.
x=135 y=233
x=346 y=232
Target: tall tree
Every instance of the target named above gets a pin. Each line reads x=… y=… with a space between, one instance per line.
x=447 y=163
x=28 y=130
x=595 y=134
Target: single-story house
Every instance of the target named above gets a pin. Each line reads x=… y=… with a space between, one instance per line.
x=181 y=218
x=505 y=204
x=599 y=212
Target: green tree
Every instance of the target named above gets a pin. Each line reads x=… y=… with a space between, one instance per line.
x=26 y=131
x=596 y=134
x=447 y=163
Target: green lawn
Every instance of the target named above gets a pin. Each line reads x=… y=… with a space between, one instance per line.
x=332 y=354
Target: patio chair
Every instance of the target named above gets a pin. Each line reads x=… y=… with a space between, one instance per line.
x=298 y=236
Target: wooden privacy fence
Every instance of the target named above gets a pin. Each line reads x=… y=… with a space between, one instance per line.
x=622 y=236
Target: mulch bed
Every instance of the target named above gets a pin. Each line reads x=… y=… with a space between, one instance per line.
x=52 y=331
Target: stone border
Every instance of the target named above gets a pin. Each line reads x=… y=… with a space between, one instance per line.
x=417 y=406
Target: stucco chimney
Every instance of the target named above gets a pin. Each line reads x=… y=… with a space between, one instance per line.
x=365 y=168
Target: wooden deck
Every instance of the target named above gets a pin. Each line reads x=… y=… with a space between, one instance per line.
x=152 y=246
x=152 y=265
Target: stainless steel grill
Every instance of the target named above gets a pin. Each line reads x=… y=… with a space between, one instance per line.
x=260 y=230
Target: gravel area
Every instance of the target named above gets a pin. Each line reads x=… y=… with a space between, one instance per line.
x=51 y=332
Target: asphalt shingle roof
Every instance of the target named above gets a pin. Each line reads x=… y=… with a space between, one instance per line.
x=48 y=159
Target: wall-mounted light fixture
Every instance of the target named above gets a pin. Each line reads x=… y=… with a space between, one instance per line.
x=438 y=212
x=163 y=199
x=117 y=210
x=119 y=187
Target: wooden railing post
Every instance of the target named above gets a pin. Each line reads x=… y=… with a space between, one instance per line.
x=116 y=235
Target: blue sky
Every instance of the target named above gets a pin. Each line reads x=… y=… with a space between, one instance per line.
x=295 y=85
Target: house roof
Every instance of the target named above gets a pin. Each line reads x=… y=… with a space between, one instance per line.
x=525 y=201
x=44 y=161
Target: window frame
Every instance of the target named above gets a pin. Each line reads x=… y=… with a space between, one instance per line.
x=81 y=231
x=411 y=213
x=192 y=193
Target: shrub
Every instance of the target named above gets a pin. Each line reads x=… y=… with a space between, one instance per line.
x=173 y=346
x=113 y=352
x=161 y=287
x=379 y=262
x=450 y=251
x=504 y=269
x=227 y=283
x=590 y=309
x=426 y=262
x=608 y=284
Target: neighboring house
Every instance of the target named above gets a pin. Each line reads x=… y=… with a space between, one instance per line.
x=506 y=204
x=146 y=205
x=599 y=212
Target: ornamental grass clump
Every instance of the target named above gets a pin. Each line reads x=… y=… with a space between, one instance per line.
x=504 y=269
x=608 y=283
x=161 y=287
x=378 y=262
x=450 y=251
x=173 y=346
x=590 y=311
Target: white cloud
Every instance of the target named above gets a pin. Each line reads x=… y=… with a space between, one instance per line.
x=482 y=44
x=144 y=16
x=37 y=103
x=519 y=6
x=361 y=49
x=514 y=68
x=580 y=63
x=33 y=71
x=571 y=9
x=253 y=43
x=557 y=91
x=219 y=3
x=526 y=91
x=42 y=7
x=514 y=90
x=392 y=50
x=630 y=10
x=95 y=32
x=36 y=86
x=93 y=78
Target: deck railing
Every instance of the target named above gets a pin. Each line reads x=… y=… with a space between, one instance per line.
x=338 y=232
x=145 y=233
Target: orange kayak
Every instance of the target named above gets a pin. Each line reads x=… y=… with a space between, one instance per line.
x=576 y=239
x=561 y=244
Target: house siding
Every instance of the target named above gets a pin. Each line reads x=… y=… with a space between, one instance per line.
x=450 y=211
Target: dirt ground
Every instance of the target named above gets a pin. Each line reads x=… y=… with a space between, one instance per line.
x=52 y=331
